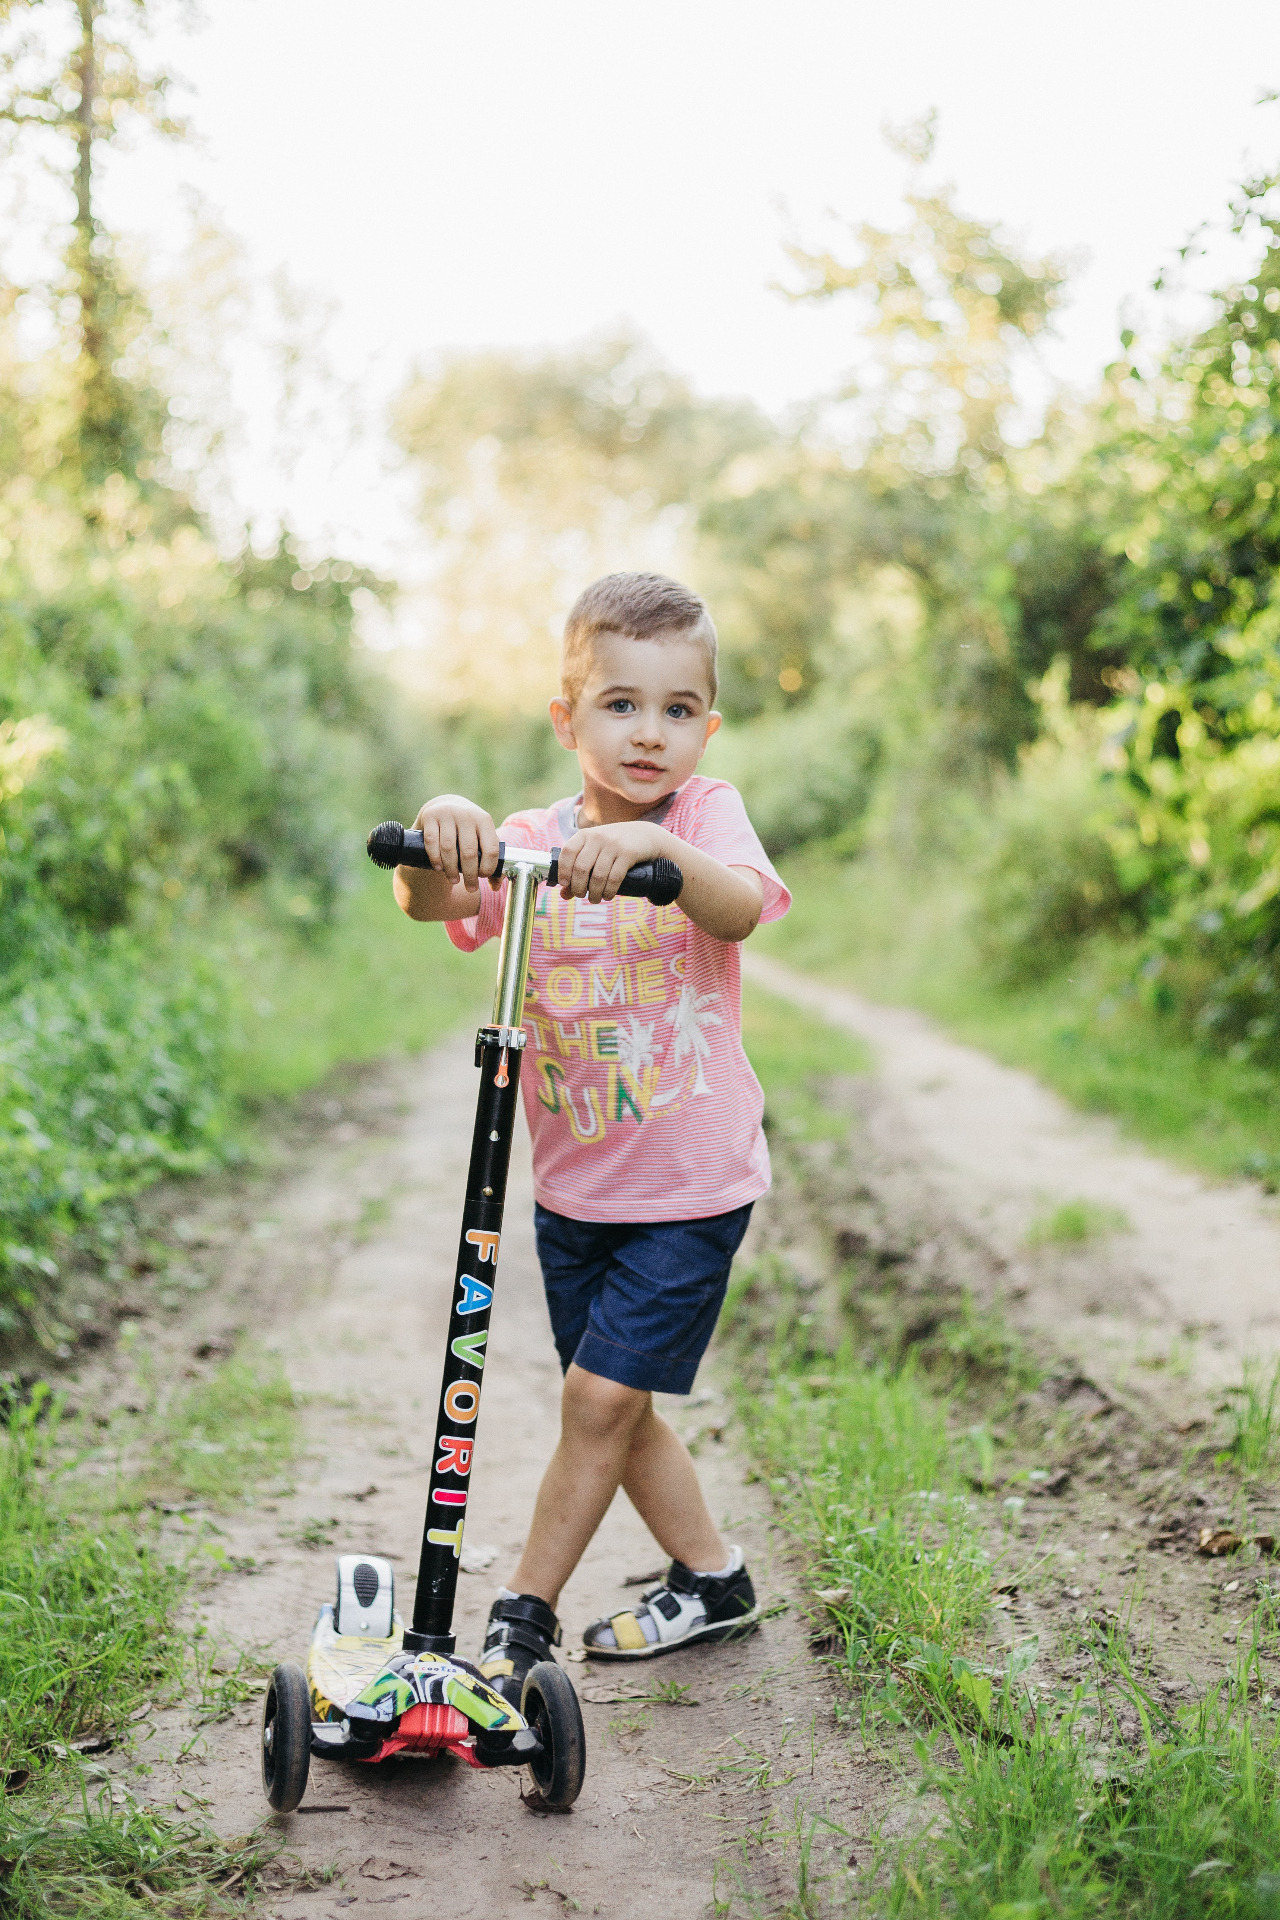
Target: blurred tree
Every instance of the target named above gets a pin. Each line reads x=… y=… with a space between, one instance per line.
x=949 y=308
x=917 y=463
x=538 y=472
x=72 y=79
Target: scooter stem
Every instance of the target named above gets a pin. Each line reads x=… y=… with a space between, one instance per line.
x=499 y=1048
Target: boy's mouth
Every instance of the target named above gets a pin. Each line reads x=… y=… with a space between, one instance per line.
x=643 y=769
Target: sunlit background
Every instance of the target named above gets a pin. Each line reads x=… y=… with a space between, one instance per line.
x=340 y=347
x=433 y=177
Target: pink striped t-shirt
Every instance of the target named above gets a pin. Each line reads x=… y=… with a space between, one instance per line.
x=641 y=1102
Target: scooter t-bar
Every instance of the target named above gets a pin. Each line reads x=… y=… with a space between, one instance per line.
x=499 y=1047
x=392 y=845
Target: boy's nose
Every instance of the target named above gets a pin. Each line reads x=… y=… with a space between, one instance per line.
x=648 y=730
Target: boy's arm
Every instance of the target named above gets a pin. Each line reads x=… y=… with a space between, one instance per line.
x=462 y=845
x=723 y=901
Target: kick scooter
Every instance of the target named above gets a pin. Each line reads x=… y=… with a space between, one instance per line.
x=374 y=1688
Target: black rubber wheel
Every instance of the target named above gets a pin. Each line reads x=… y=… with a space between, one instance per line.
x=286 y=1737
x=550 y=1705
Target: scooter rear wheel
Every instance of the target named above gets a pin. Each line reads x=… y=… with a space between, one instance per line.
x=550 y=1705
x=286 y=1737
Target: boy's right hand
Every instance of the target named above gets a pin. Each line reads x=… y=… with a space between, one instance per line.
x=460 y=839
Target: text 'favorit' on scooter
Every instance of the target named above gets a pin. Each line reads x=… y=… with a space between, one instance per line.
x=374 y=1688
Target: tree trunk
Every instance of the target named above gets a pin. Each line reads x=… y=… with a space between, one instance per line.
x=85 y=265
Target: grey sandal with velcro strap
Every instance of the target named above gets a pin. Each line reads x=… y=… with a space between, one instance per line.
x=522 y=1630
x=677 y=1612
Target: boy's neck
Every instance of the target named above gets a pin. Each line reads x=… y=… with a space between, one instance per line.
x=601 y=807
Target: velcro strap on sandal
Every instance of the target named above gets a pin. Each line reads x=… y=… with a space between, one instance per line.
x=514 y=1633
x=675 y=1614
x=528 y=1607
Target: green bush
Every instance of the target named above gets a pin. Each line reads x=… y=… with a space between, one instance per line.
x=1045 y=871
x=804 y=775
x=110 y=1076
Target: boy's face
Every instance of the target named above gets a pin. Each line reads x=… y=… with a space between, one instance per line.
x=643 y=719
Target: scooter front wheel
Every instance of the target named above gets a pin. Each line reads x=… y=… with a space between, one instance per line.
x=550 y=1705
x=286 y=1737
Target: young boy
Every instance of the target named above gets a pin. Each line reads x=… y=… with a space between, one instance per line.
x=645 y=1115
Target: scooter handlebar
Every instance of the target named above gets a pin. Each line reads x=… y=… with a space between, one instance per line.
x=658 y=881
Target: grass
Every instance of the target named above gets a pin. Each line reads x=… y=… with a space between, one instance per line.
x=103 y=1861
x=1049 y=1810
x=86 y=1610
x=373 y=984
x=224 y=1435
x=1074 y=1223
x=1252 y=1413
x=1087 y=1032
x=1090 y=1801
x=1186 y=1822
x=90 y=1638
x=792 y=1053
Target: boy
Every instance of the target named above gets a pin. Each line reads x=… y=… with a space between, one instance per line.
x=645 y=1115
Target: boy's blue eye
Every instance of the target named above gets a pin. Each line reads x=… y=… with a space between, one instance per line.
x=678 y=711
x=620 y=706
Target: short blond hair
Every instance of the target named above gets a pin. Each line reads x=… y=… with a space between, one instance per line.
x=639 y=606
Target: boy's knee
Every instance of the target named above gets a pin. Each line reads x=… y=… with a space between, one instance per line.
x=600 y=1408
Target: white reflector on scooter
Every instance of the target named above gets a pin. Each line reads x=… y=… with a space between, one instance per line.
x=366 y=1599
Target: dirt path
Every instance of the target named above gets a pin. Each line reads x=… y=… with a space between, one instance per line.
x=1181 y=1297
x=347 y=1272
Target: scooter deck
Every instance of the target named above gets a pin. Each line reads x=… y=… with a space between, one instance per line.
x=371 y=1699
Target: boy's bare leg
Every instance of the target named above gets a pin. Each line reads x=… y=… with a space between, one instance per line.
x=610 y=1436
x=662 y=1485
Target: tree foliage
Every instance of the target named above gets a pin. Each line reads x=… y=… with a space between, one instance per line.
x=537 y=472
x=176 y=725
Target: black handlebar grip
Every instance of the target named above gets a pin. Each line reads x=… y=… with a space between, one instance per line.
x=657 y=881
x=391 y=845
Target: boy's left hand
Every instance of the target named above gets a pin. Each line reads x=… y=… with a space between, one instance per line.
x=596 y=860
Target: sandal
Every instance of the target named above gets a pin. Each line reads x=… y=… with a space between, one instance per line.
x=677 y=1611
x=522 y=1630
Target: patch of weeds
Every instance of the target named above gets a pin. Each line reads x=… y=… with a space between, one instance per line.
x=228 y=1433
x=1183 y=1820
x=863 y=1472
x=1075 y=1222
x=314 y=1533
x=227 y=1681
x=88 y=1639
x=374 y=1215
x=636 y=1720
x=1252 y=1413
x=92 y=1857
x=973 y=1346
x=86 y=1603
x=673 y=1693
x=821 y=1887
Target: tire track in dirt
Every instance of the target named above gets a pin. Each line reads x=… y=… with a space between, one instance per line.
x=1174 y=1304
x=349 y=1279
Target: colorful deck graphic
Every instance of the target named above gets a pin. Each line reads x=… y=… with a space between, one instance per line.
x=342 y=1670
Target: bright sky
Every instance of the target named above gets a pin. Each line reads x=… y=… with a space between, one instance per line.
x=501 y=173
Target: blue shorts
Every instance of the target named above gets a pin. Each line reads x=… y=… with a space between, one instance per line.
x=637 y=1303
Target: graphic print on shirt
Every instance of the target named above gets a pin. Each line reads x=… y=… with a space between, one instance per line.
x=607 y=994
x=634 y=1051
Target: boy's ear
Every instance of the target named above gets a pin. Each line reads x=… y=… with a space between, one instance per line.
x=714 y=722
x=562 y=720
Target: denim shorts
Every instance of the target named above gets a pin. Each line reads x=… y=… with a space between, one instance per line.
x=637 y=1303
